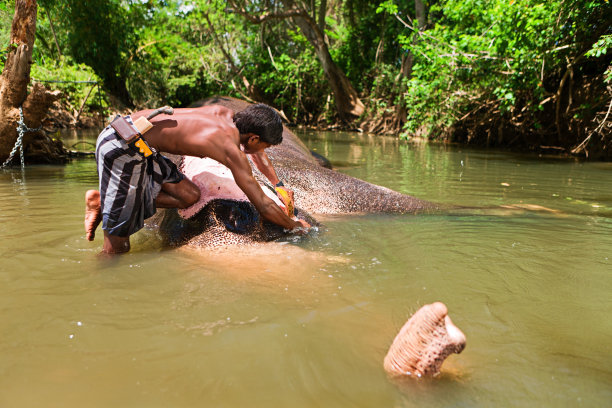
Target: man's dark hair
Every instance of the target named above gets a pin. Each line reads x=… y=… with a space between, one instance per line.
x=261 y=120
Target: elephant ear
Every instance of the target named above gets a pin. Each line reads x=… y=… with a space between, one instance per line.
x=238 y=217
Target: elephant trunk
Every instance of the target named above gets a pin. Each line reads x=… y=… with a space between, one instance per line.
x=424 y=342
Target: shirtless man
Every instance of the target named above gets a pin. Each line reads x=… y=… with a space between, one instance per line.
x=132 y=186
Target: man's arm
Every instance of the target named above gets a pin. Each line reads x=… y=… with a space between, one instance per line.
x=263 y=163
x=265 y=166
x=241 y=170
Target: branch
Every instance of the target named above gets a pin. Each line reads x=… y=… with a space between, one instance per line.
x=423 y=34
x=582 y=146
x=455 y=50
x=271 y=57
x=226 y=54
x=59 y=51
x=568 y=72
x=322 y=14
x=76 y=119
x=269 y=15
x=142 y=47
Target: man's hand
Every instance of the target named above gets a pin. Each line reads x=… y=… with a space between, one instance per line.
x=302 y=228
x=239 y=165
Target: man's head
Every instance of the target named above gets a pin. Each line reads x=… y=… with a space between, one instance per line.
x=262 y=121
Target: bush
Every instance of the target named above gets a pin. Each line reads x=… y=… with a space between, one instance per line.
x=75 y=81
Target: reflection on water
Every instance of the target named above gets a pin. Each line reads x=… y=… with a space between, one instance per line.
x=308 y=323
x=80 y=139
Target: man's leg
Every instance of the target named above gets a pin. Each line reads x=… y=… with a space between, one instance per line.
x=178 y=195
x=92 y=213
x=114 y=244
x=173 y=195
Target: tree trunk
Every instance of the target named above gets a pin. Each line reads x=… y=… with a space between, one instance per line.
x=59 y=51
x=253 y=91
x=407 y=64
x=348 y=104
x=13 y=90
x=347 y=101
x=118 y=89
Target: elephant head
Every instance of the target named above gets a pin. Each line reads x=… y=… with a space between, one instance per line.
x=424 y=342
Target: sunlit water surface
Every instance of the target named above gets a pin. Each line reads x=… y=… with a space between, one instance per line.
x=307 y=323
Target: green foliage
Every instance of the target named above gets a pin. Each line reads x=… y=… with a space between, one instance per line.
x=4 y=54
x=600 y=48
x=6 y=16
x=165 y=69
x=99 y=33
x=511 y=52
x=387 y=6
x=295 y=84
x=371 y=41
x=477 y=48
x=74 y=80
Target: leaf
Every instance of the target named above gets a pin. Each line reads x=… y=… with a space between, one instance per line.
x=387 y=6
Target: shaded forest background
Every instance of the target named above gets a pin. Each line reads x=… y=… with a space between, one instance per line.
x=517 y=74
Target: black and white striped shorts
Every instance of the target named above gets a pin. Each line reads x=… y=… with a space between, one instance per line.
x=129 y=183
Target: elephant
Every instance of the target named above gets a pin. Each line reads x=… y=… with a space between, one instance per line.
x=223 y=216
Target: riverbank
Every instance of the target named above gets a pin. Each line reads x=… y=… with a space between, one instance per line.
x=485 y=125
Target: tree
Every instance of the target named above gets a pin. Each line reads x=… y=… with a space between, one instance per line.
x=14 y=87
x=103 y=35
x=312 y=25
x=407 y=61
x=501 y=73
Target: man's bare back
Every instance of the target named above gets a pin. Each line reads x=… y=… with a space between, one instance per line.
x=206 y=131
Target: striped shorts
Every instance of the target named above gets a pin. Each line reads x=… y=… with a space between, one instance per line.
x=129 y=183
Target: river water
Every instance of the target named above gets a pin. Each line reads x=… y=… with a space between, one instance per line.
x=307 y=323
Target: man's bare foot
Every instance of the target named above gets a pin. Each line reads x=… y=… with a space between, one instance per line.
x=92 y=213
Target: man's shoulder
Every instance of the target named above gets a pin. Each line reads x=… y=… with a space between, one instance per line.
x=209 y=122
x=217 y=110
x=234 y=156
